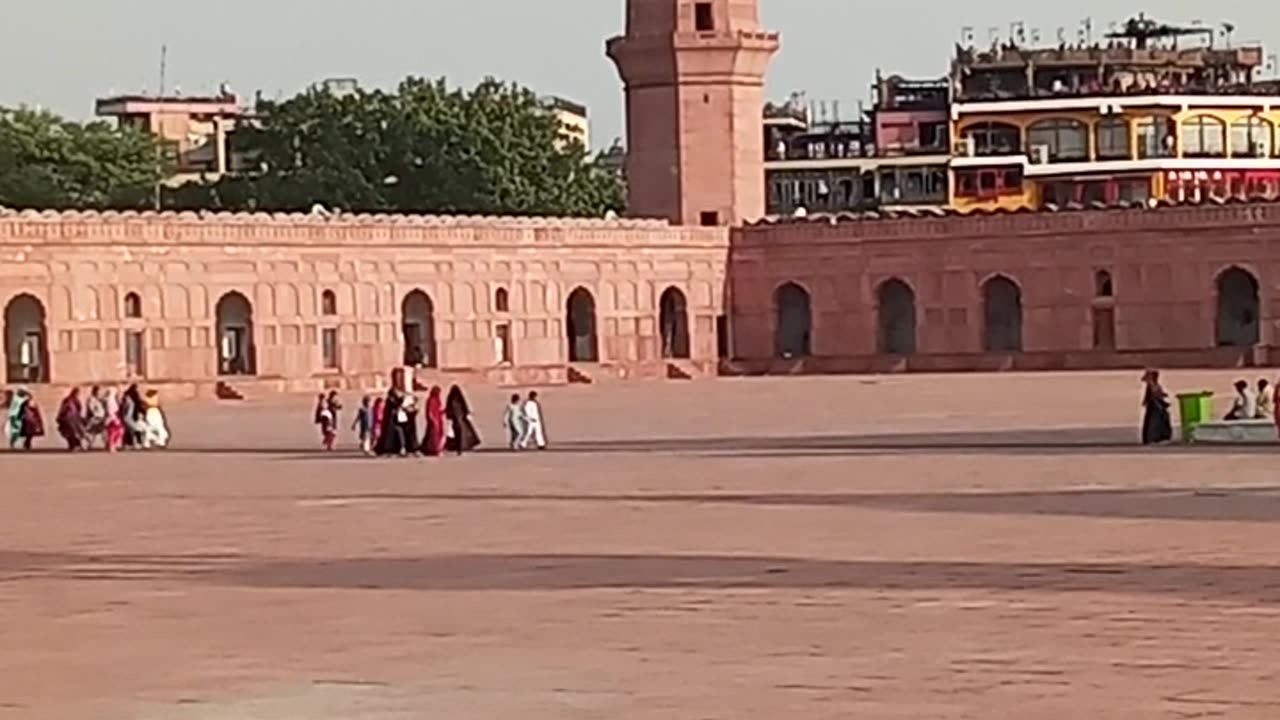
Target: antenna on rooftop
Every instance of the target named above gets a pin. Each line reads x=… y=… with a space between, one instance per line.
x=966 y=36
x=164 y=66
x=158 y=197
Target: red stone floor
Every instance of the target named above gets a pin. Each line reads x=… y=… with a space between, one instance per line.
x=904 y=547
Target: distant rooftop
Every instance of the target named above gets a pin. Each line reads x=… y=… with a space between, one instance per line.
x=1139 y=56
x=140 y=103
x=558 y=103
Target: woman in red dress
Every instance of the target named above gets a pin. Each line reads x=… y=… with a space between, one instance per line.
x=435 y=440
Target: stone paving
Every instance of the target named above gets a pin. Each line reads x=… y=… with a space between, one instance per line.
x=905 y=547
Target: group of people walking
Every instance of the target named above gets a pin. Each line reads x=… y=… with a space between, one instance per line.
x=105 y=417
x=396 y=426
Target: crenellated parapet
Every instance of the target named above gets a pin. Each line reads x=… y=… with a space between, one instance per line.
x=924 y=225
x=332 y=228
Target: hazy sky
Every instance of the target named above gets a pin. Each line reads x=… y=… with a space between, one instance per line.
x=61 y=54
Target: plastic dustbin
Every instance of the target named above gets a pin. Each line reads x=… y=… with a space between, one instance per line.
x=1194 y=409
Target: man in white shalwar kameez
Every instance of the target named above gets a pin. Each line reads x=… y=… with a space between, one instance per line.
x=533 y=429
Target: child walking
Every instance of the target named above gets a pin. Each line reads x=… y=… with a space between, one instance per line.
x=513 y=421
x=328 y=422
x=363 y=425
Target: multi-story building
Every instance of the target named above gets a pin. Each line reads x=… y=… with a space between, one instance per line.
x=193 y=131
x=574 y=123
x=1158 y=112
x=894 y=155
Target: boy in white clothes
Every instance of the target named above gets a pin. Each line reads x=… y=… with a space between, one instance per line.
x=533 y=430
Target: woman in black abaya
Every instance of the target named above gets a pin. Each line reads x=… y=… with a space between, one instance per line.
x=1157 y=426
x=394 y=439
x=458 y=412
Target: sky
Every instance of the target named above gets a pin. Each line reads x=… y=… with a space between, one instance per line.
x=61 y=54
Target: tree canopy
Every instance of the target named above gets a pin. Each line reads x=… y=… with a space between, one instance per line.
x=426 y=147
x=49 y=162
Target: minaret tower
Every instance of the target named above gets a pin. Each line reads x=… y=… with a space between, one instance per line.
x=694 y=73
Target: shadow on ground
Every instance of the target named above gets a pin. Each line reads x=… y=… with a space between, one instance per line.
x=1223 y=504
x=486 y=572
x=1073 y=441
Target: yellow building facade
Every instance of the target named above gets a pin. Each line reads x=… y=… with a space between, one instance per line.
x=1054 y=151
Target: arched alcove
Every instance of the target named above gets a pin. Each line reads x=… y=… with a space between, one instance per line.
x=1002 y=315
x=580 y=327
x=26 y=340
x=673 y=321
x=234 y=319
x=1239 y=309
x=418 y=329
x=794 y=321
x=896 y=311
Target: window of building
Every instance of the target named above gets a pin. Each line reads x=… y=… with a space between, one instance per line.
x=329 y=348
x=1113 y=139
x=988 y=183
x=1156 y=137
x=135 y=354
x=994 y=138
x=132 y=306
x=1251 y=137
x=710 y=218
x=501 y=300
x=1204 y=136
x=1103 y=287
x=502 y=341
x=1066 y=140
x=1134 y=190
x=328 y=303
x=889 y=192
x=932 y=135
x=703 y=17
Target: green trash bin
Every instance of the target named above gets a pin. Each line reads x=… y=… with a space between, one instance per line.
x=1195 y=409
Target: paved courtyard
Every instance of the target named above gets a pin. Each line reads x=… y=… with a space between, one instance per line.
x=903 y=547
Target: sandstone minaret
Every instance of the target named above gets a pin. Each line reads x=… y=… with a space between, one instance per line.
x=694 y=73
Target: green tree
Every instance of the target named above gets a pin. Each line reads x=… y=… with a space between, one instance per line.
x=426 y=148
x=49 y=162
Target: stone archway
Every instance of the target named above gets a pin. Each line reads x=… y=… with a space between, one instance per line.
x=1239 y=321
x=418 y=330
x=1002 y=315
x=793 y=329
x=673 y=321
x=580 y=327
x=896 y=310
x=26 y=340
x=236 y=351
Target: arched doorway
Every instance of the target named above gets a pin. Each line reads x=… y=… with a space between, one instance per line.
x=418 y=330
x=1002 y=315
x=236 y=355
x=580 y=327
x=897 y=318
x=25 y=336
x=673 y=319
x=1239 y=309
x=794 y=324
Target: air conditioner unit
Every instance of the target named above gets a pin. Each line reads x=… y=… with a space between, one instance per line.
x=966 y=147
x=1040 y=154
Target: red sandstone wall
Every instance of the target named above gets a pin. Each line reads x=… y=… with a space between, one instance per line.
x=81 y=266
x=1164 y=262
